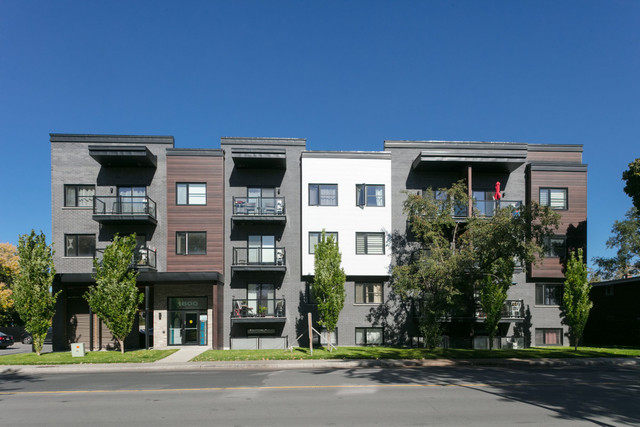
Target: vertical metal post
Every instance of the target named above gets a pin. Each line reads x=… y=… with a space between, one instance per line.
x=470 y=191
x=310 y=333
x=146 y=317
x=90 y=329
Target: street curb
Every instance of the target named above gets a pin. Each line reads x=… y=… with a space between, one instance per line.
x=314 y=364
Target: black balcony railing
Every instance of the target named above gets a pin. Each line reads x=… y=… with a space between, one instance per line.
x=258 y=308
x=265 y=206
x=488 y=208
x=143 y=257
x=124 y=206
x=259 y=256
x=512 y=309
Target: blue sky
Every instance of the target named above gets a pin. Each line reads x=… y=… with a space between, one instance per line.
x=346 y=75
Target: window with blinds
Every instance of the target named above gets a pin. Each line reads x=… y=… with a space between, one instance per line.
x=370 y=243
x=555 y=198
x=369 y=195
x=323 y=194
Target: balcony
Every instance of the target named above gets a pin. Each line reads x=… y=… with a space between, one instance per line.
x=119 y=210
x=143 y=258
x=488 y=208
x=513 y=310
x=263 y=310
x=259 y=209
x=259 y=259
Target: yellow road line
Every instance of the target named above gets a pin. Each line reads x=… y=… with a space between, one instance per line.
x=311 y=387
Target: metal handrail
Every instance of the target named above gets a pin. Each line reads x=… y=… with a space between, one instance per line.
x=258 y=307
x=259 y=256
x=124 y=205
x=258 y=206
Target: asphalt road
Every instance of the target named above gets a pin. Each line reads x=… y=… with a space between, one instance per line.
x=391 y=397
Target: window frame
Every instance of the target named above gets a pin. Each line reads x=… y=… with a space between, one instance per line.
x=362 y=293
x=188 y=184
x=366 y=242
x=542 y=331
x=365 y=329
x=362 y=189
x=542 y=301
x=77 y=197
x=318 y=202
x=548 y=190
x=77 y=246
x=548 y=247
x=311 y=248
x=186 y=243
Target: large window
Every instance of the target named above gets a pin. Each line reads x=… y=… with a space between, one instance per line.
x=191 y=243
x=368 y=293
x=315 y=236
x=369 y=195
x=370 y=243
x=261 y=299
x=323 y=194
x=262 y=250
x=79 y=245
x=548 y=294
x=547 y=336
x=79 y=195
x=555 y=198
x=133 y=200
x=555 y=247
x=369 y=336
x=188 y=193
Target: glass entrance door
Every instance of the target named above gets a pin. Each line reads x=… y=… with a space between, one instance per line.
x=188 y=328
x=191 y=328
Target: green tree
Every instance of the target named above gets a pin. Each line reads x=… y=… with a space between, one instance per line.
x=115 y=298
x=32 y=287
x=9 y=268
x=328 y=283
x=456 y=258
x=576 y=297
x=632 y=188
x=626 y=239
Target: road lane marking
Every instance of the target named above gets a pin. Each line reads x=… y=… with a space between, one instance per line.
x=312 y=387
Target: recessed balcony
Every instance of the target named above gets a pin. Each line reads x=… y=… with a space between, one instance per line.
x=259 y=259
x=259 y=209
x=512 y=310
x=488 y=208
x=119 y=210
x=263 y=310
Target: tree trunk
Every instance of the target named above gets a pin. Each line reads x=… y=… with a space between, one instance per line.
x=329 y=341
x=121 y=343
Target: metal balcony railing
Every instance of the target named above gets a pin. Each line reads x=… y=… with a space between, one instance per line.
x=143 y=257
x=257 y=308
x=259 y=256
x=258 y=206
x=512 y=309
x=124 y=206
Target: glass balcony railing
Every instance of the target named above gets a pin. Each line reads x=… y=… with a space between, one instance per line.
x=256 y=308
x=259 y=256
x=258 y=206
x=488 y=208
x=512 y=309
x=119 y=206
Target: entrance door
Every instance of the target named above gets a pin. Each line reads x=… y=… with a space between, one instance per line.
x=191 y=328
x=188 y=328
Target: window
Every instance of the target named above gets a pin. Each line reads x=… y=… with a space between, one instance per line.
x=79 y=195
x=189 y=193
x=548 y=294
x=370 y=243
x=546 y=336
x=79 y=245
x=261 y=299
x=262 y=250
x=460 y=208
x=314 y=239
x=369 y=336
x=555 y=247
x=555 y=198
x=133 y=200
x=311 y=299
x=322 y=339
x=369 y=195
x=323 y=194
x=191 y=243
x=368 y=293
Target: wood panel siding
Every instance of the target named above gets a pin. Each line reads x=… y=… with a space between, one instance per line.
x=573 y=221
x=554 y=156
x=208 y=218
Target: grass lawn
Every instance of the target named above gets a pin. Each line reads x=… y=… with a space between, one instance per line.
x=65 y=358
x=347 y=353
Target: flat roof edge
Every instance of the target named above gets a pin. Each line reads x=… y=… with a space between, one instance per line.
x=119 y=139
x=385 y=155
x=211 y=152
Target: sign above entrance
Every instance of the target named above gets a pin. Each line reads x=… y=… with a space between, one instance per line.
x=188 y=303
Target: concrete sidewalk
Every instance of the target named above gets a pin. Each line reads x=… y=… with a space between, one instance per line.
x=179 y=362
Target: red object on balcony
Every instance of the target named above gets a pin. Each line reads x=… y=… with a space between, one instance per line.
x=497 y=196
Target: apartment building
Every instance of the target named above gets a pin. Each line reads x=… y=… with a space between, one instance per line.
x=226 y=236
